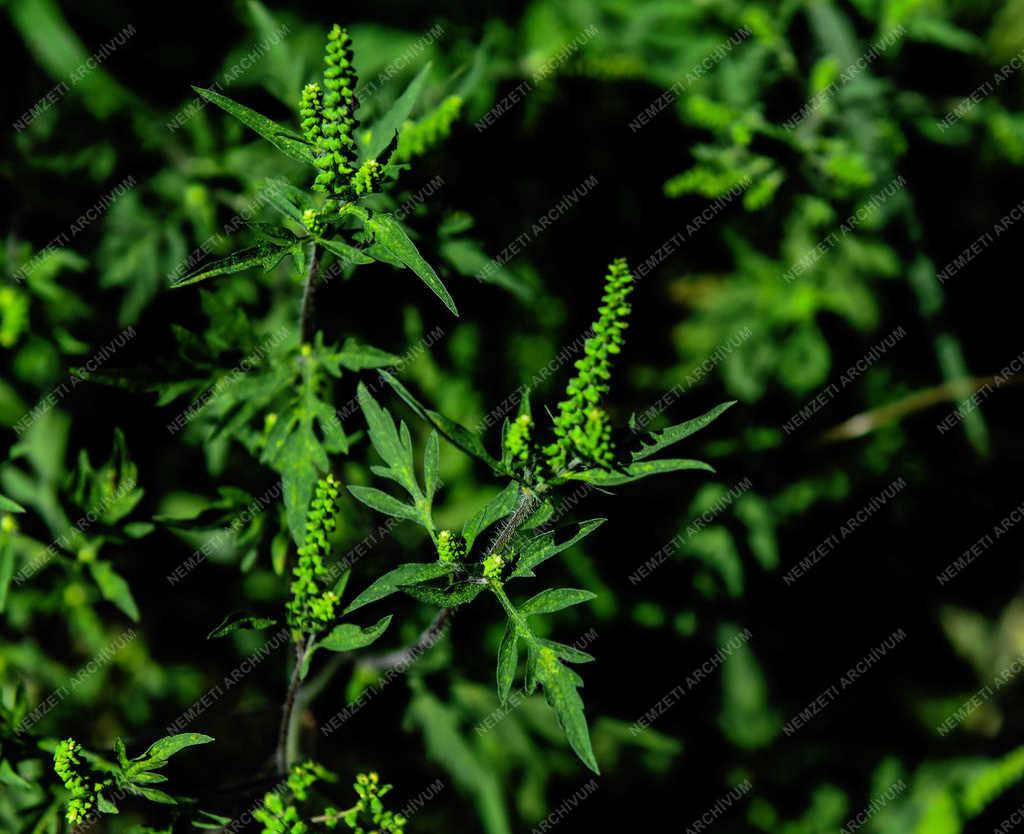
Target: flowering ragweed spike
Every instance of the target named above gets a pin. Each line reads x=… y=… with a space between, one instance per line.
x=368 y=178
x=311 y=112
x=313 y=222
x=518 y=440
x=451 y=547
x=311 y=606
x=336 y=144
x=84 y=791
x=416 y=138
x=65 y=757
x=581 y=428
x=493 y=565
x=371 y=792
x=303 y=776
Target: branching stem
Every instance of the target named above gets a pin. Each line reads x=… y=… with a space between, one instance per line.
x=399 y=658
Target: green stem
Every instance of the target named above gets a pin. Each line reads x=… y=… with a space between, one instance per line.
x=522 y=626
x=513 y=613
x=288 y=712
x=308 y=295
x=337 y=815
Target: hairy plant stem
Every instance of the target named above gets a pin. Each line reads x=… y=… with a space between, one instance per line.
x=337 y=815
x=309 y=295
x=528 y=500
x=400 y=658
x=288 y=712
x=506 y=603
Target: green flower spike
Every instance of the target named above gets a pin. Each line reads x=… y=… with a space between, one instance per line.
x=84 y=792
x=368 y=178
x=311 y=111
x=581 y=427
x=337 y=145
x=451 y=547
x=311 y=607
x=493 y=566
x=416 y=138
x=65 y=757
x=518 y=440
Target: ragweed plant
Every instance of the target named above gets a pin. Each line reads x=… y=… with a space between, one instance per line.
x=263 y=389
x=92 y=793
x=347 y=171
x=278 y=403
x=470 y=564
x=327 y=229
x=288 y=809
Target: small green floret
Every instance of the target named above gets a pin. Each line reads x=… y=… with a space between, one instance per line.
x=313 y=222
x=493 y=565
x=370 y=791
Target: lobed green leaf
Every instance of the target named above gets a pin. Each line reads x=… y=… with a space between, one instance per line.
x=290 y=143
x=383 y=131
x=560 y=685
x=348 y=637
x=543 y=547
x=389 y=234
x=458 y=594
x=240 y=620
x=502 y=505
x=508 y=657
x=384 y=503
x=408 y=574
x=673 y=434
x=635 y=471
x=554 y=599
x=458 y=435
x=264 y=255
